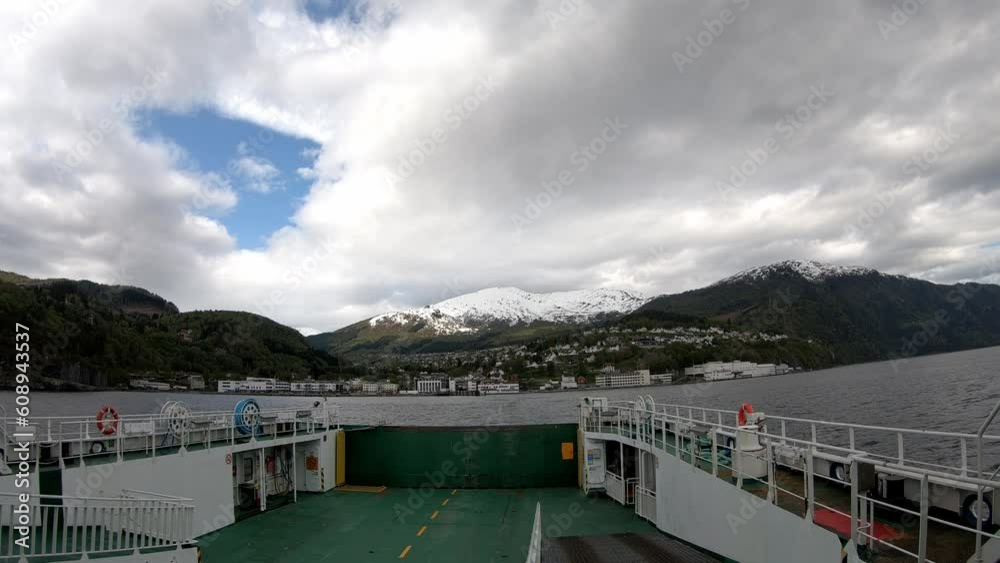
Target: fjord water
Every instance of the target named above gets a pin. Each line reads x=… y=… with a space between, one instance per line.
x=952 y=392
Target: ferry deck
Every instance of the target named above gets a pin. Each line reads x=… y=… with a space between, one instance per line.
x=452 y=525
x=631 y=482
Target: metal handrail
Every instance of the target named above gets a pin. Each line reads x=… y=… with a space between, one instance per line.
x=979 y=471
x=620 y=418
x=816 y=425
x=149 y=433
x=154 y=496
x=916 y=431
x=845 y=452
x=87 y=526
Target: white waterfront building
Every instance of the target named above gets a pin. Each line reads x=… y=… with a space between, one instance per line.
x=308 y=387
x=568 y=382
x=717 y=371
x=610 y=377
x=498 y=388
x=463 y=385
x=379 y=388
x=254 y=385
x=662 y=378
x=149 y=384
x=432 y=385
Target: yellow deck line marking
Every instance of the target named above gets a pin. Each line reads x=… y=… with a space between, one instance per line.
x=453 y=491
x=445 y=503
x=405 y=551
x=421 y=532
x=435 y=515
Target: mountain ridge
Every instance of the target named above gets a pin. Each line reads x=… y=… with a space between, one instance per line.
x=860 y=314
x=94 y=335
x=812 y=270
x=857 y=313
x=470 y=311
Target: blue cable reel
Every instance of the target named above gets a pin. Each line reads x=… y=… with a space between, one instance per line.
x=246 y=417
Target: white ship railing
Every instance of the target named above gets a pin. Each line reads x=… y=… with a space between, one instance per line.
x=672 y=428
x=79 y=436
x=645 y=504
x=849 y=436
x=64 y=526
x=615 y=487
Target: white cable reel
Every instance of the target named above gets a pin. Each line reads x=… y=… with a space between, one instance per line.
x=177 y=418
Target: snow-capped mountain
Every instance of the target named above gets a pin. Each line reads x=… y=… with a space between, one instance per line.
x=811 y=270
x=511 y=306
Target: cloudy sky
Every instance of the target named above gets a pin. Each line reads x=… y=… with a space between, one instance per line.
x=321 y=162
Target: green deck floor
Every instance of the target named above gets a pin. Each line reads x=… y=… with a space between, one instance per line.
x=469 y=526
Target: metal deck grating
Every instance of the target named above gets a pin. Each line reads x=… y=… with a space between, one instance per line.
x=621 y=548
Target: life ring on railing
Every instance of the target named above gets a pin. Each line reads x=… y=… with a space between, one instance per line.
x=744 y=411
x=110 y=426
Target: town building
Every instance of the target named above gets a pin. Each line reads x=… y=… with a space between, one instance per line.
x=433 y=385
x=318 y=387
x=463 y=385
x=254 y=385
x=379 y=388
x=610 y=377
x=662 y=378
x=149 y=385
x=498 y=388
x=718 y=371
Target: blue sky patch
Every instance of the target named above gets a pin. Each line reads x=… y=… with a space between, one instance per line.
x=365 y=18
x=259 y=163
x=319 y=10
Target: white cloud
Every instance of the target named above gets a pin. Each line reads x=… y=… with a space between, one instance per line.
x=258 y=174
x=644 y=213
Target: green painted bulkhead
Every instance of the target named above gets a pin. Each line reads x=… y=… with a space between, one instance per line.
x=494 y=457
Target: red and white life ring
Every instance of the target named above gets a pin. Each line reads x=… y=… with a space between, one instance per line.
x=110 y=426
x=744 y=411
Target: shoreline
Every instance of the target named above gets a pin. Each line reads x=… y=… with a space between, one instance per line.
x=688 y=381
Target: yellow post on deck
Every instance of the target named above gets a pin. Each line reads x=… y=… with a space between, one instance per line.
x=341 y=476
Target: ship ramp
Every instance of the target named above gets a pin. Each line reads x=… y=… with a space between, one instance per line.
x=629 y=547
